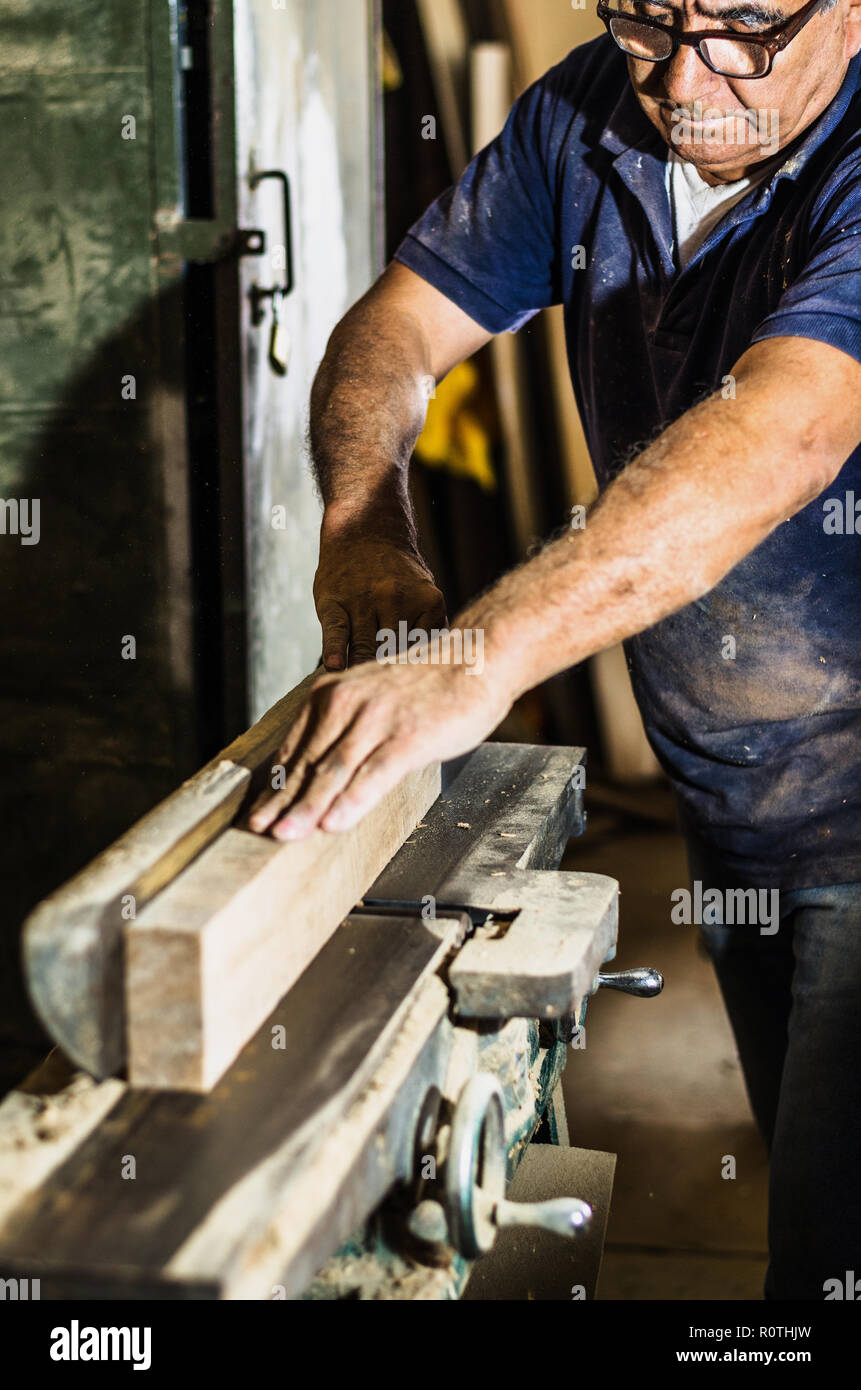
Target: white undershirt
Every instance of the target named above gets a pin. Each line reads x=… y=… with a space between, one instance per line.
x=697 y=207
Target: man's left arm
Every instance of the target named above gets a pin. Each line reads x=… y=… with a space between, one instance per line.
x=665 y=532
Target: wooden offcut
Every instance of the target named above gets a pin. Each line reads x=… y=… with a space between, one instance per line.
x=447 y=44
x=211 y=956
x=491 y=88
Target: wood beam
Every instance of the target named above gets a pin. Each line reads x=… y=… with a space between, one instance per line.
x=73 y=942
x=210 y=957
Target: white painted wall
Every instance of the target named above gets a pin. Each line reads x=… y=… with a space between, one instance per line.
x=304 y=103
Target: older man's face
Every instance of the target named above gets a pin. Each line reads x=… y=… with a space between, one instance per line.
x=724 y=125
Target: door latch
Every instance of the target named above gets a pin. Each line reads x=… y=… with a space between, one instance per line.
x=279 y=341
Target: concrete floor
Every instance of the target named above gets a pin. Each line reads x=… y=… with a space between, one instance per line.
x=659 y=1084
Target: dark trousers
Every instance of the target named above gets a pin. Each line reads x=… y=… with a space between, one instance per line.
x=794 y=1001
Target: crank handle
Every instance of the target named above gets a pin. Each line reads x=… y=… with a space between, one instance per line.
x=644 y=982
x=566 y=1216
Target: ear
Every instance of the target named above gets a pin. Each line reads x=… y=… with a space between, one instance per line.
x=852 y=30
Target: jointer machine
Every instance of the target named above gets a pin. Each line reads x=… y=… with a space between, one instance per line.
x=260 y=1093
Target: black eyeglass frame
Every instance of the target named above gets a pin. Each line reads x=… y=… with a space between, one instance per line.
x=773 y=45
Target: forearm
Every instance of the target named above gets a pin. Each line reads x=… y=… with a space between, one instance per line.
x=368 y=407
x=664 y=533
x=668 y=529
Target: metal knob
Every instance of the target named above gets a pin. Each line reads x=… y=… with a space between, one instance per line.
x=644 y=982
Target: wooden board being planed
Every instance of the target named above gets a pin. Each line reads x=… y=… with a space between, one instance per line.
x=208 y=959
x=72 y=942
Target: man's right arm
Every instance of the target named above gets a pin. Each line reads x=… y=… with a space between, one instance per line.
x=368 y=408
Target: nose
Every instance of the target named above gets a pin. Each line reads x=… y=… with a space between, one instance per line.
x=686 y=77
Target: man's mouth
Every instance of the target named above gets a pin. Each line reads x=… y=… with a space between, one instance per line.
x=695 y=116
x=698 y=122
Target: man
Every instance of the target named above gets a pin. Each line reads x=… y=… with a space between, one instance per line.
x=689 y=187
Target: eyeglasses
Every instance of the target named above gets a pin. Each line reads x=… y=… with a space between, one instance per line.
x=727 y=54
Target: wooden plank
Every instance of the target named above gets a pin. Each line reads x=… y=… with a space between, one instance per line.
x=210 y=957
x=492 y=98
x=72 y=941
x=298 y=1211
x=259 y=1181
x=447 y=44
x=541 y=32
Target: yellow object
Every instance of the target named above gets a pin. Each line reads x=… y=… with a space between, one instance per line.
x=454 y=437
x=391 y=73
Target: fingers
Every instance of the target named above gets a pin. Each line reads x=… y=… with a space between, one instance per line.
x=359 y=733
x=379 y=772
x=434 y=614
x=345 y=632
x=330 y=737
x=391 y=614
x=333 y=740
x=336 y=636
x=331 y=775
x=434 y=618
x=306 y=724
x=293 y=769
x=363 y=643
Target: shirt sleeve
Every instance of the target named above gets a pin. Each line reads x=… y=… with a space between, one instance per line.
x=824 y=301
x=488 y=242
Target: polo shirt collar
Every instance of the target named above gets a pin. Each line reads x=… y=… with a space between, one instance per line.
x=629 y=130
x=640 y=158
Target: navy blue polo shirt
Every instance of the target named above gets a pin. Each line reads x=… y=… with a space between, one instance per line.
x=763 y=749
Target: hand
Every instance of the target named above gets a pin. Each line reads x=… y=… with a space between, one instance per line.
x=367 y=582
x=360 y=732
